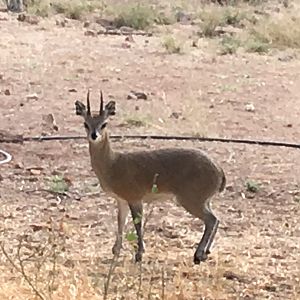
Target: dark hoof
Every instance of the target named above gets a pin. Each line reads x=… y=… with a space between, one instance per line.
x=200 y=257
x=138 y=257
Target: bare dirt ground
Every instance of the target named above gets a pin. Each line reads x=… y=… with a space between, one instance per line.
x=256 y=251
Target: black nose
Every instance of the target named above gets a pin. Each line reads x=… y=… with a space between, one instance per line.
x=93 y=135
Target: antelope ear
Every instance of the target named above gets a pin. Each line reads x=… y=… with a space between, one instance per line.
x=110 y=108
x=80 y=109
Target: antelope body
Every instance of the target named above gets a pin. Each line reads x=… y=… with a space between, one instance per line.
x=188 y=174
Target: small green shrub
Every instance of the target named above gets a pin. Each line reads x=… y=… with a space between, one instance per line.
x=256 y=46
x=171 y=45
x=252 y=186
x=138 y=16
x=57 y=184
x=229 y=45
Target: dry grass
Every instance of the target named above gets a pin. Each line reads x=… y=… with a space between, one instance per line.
x=279 y=32
x=73 y=9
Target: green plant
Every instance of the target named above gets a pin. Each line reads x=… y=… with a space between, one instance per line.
x=57 y=184
x=252 y=186
x=256 y=45
x=136 y=16
x=131 y=121
x=229 y=45
x=211 y=19
x=171 y=45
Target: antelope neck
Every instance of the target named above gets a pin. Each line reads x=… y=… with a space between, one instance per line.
x=101 y=153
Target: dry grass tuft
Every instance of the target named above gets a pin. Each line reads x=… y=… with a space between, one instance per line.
x=278 y=32
x=73 y=9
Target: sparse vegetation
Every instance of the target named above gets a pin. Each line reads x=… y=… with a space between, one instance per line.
x=72 y=9
x=280 y=32
x=256 y=46
x=57 y=184
x=252 y=186
x=214 y=17
x=136 y=122
x=171 y=45
x=56 y=238
x=229 y=45
x=136 y=16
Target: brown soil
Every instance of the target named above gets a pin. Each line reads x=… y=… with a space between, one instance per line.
x=44 y=68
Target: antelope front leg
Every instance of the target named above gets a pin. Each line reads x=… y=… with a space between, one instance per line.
x=137 y=214
x=123 y=210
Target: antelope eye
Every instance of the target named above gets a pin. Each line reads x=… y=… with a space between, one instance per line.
x=86 y=126
x=103 y=125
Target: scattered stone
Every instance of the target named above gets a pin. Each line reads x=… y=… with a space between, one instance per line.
x=195 y=44
x=30 y=19
x=285 y=57
x=230 y=30
x=125 y=45
x=183 y=17
x=49 y=121
x=126 y=29
x=270 y=288
x=86 y=24
x=229 y=275
x=176 y=115
x=249 y=107
x=137 y=96
x=3 y=18
x=90 y=32
x=33 y=96
x=129 y=39
x=61 y=23
x=35 y=172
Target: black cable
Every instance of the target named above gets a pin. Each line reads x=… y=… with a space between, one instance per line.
x=162 y=137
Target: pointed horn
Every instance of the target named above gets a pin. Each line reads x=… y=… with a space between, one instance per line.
x=101 y=102
x=88 y=103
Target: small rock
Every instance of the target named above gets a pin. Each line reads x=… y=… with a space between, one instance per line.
x=129 y=39
x=3 y=18
x=289 y=125
x=33 y=96
x=183 y=17
x=125 y=45
x=35 y=172
x=270 y=288
x=49 y=121
x=61 y=23
x=19 y=165
x=6 y=92
x=137 y=96
x=286 y=57
x=1 y=76
x=195 y=44
x=30 y=19
x=249 y=107
x=73 y=90
x=90 y=32
x=175 y=115
x=86 y=24
x=126 y=29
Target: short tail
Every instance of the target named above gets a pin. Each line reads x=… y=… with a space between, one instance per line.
x=223 y=182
